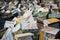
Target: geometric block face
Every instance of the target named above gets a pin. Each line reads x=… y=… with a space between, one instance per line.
x=25 y=38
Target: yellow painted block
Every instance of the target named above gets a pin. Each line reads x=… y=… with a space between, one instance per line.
x=52 y=20
x=41 y=35
x=22 y=35
x=19 y=19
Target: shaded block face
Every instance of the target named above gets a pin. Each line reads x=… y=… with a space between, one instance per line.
x=55 y=25
x=57 y=35
x=2 y=22
x=25 y=38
